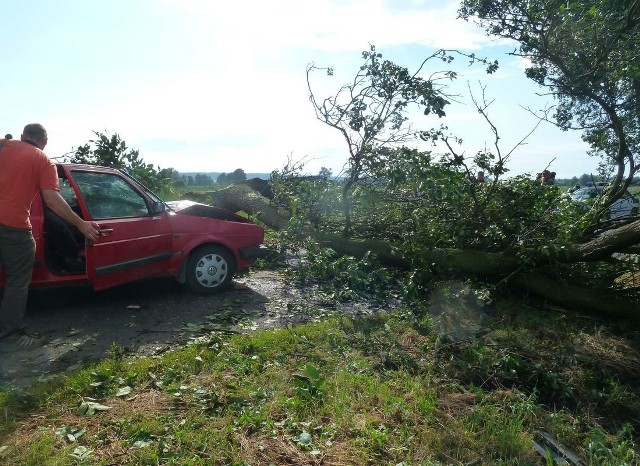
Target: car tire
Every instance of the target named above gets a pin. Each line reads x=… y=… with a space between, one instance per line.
x=210 y=270
x=634 y=212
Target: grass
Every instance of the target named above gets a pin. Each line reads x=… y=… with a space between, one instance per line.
x=373 y=391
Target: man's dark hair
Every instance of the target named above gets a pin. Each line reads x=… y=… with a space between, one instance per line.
x=34 y=131
x=8 y=136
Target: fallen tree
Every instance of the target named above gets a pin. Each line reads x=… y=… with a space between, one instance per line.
x=538 y=278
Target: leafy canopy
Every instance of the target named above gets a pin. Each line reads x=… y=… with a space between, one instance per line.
x=113 y=152
x=372 y=111
x=586 y=54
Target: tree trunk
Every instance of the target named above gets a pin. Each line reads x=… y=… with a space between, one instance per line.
x=242 y=197
x=486 y=265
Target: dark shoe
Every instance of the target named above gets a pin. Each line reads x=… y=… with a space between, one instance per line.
x=31 y=333
x=23 y=340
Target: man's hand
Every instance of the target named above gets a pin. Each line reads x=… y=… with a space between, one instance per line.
x=89 y=230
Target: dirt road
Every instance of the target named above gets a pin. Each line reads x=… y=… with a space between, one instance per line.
x=152 y=317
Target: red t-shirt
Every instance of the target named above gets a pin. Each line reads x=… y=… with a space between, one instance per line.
x=24 y=171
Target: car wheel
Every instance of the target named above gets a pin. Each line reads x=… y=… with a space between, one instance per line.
x=210 y=270
x=634 y=212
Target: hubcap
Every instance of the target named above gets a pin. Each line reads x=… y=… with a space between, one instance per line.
x=211 y=270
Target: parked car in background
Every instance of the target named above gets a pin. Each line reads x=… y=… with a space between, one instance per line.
x=626 y=206
x=597 y=184
x=141 y=236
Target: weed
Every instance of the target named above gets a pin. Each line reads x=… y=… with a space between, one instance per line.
x=611 y=450
x=552 y=385
x=116 y=352
x=499 y=422
x=309 y=383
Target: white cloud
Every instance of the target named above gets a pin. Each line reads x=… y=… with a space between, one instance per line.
x=230 y=91
x=333 y=26
x=523 y=63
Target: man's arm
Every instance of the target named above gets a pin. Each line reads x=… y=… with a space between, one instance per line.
x=56 y=202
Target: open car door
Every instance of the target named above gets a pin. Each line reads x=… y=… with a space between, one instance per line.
x=136 y=240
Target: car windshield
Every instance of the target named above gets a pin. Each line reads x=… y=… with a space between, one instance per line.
x=151 y=194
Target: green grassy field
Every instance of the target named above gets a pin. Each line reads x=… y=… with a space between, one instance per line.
x=392 y=389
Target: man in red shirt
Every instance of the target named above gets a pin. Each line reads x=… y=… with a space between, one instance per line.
x=25 y=170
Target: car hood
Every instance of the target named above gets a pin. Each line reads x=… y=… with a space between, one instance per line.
x=197 y=209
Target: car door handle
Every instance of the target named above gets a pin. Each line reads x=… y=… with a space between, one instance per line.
x=105 y=231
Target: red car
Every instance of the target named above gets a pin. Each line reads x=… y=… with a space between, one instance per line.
x=141 y=236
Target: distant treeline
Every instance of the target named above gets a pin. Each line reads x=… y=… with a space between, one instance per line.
x=585 y=179
x=225 y=179
x=239 y=175
x=217 y=178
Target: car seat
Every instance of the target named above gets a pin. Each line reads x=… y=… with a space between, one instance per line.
x=64 y=243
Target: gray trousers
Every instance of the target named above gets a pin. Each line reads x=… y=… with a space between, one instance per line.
x=17 y=255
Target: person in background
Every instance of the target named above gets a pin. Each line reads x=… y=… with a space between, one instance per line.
x=480 y=177
x=548 y=178
x=25 y=170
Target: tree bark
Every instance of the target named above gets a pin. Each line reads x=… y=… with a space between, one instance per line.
x=242 y=197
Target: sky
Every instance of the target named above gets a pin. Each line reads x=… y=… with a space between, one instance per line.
x=213 y=86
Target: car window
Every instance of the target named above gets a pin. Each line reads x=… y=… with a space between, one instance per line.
x=108 y=195
x=69 y=195
x=67 y=192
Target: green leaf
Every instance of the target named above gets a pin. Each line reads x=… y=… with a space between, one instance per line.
x=302 y=383
x=82 y=409
x=305 y=439
x=312 y=371
x=123 y=391
x=141 y=443
x=76 y=434
x=89 y=408
x=81 y=453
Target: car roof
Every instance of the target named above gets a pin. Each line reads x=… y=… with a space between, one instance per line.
x=83 y=165
x=86 y=167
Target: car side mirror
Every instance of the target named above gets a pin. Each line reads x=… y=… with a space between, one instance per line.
x=158 y=208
